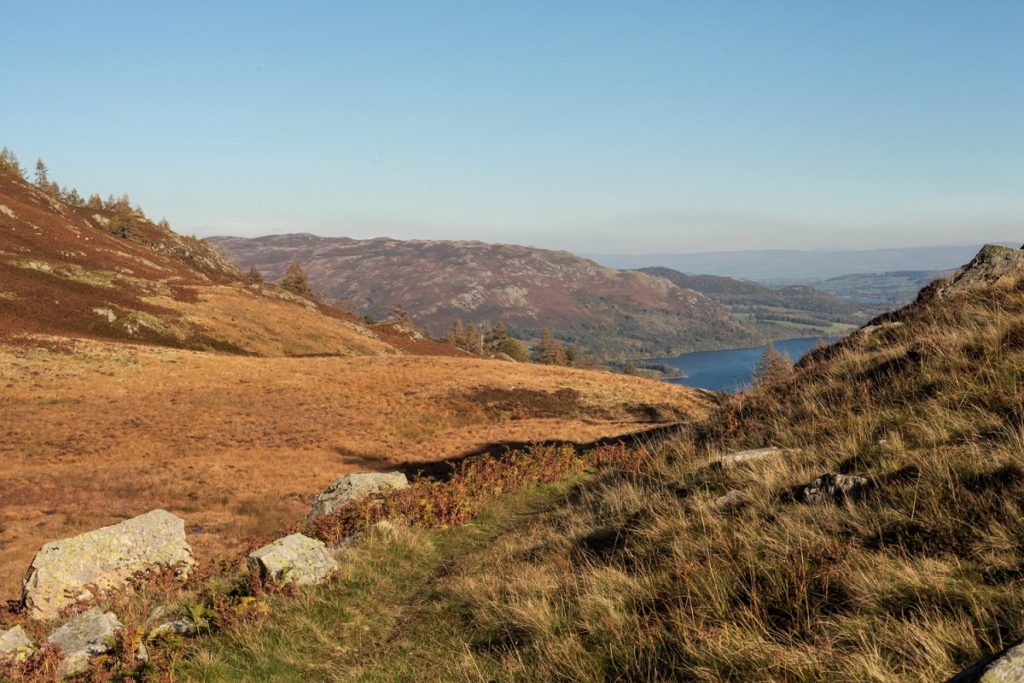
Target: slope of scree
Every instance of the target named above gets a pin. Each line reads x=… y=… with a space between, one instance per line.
x=611 y=313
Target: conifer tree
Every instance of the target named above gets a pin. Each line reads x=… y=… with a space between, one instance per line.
x=548 y=350
x=295 y=281
x=9 y=161
x=254 y=276
x=42 y=175
x=773 y=367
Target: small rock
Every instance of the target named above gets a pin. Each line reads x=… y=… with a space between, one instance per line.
x=733 y=500
x=353 y=487
x=834 y=488
x=295 y=559
x=175 y=627
x=85 y=636
x=743 y=457
x=15 y=643
x=106 y=558
x=1009 y=668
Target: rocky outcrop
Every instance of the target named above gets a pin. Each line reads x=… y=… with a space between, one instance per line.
x=834 y=488
x=294 y=559
x=352 y=487
x=84 y=637
x=745 y=457
x=64 y=572
x=15 y=643
x=993 y=265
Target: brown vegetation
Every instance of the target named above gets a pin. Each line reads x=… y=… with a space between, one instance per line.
x=93 y=432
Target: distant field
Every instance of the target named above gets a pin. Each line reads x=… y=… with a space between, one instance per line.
x=95 y=432
x=894 y=289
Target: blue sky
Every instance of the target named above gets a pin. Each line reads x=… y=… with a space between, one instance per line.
x=594 y=126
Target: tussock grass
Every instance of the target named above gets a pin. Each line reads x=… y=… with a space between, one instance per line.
x=645 y=575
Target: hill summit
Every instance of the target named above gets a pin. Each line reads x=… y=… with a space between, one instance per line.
x=610 y=313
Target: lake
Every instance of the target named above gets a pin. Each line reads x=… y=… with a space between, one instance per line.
x=731 y=369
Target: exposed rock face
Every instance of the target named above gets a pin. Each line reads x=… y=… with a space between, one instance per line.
x=87 y=635
x=64 y=571
x=743 y=457
x=294 y=559
x=835 y=488
x=353 y=487
x=14 y=642
x=993 y=264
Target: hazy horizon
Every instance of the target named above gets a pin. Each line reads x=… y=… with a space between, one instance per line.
x=597 y=128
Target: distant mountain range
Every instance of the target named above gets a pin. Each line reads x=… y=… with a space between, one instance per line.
x=793 y=266
x=607 y=312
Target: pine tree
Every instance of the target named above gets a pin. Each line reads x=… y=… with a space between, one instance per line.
x=94 y=202
x=9 y=161
x=773 y=367
x=548 y=350
x=295 y=281
x=42 y=175
x=254 y=276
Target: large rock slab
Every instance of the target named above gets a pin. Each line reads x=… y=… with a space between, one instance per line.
x=84 y=637
x=15 y=643
x=63 y=572
x=294 y=559
x=353 y=487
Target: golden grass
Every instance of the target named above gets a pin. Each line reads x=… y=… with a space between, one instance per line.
x=94 y=432
x=644 y=575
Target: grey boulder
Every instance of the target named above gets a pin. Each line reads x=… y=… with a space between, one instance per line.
x=15 y=643
x=64 y=572
x=294 y=559
x=89 y=634
x=353 y=487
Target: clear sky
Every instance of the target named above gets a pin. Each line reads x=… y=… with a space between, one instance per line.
x=623 y=127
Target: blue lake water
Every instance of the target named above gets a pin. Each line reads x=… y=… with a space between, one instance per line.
x=731 y=369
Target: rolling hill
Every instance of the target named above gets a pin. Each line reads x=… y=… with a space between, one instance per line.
x=778 y=311
x=141 y=371
x=610 y=313
x=873 y=536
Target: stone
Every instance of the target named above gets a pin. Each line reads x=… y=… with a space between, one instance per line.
x=353 y=487
x=174 y=627
x=89 y=634
x=64 y=572
x=834 y=488
x=294 y=559
x=1007 y=669
x=733 y=500
x=15 y=643
x=744 y=457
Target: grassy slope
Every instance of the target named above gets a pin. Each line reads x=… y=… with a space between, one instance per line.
x=644 y=577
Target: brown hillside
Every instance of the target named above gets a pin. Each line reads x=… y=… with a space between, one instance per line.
x=96 y=432
x=609 y=312
x=101 y=274
x=138 y=370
